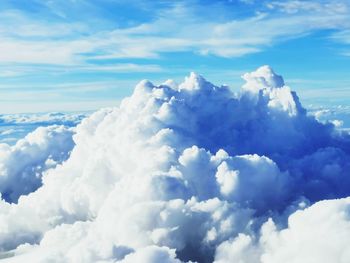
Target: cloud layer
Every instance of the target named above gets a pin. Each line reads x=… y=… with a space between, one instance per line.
x=190 y=172
x=16 y=126
x=80 y=40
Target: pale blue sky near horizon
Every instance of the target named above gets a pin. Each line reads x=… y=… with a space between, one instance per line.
x=79 y=55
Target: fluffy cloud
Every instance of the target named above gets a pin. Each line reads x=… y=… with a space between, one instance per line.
x=186 y=173
x=316 y=234
x=22 y=165
x=338 y=115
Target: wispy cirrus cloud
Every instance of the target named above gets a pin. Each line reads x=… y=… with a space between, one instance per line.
x=297 y=6
x=74 y=43
x=23 y=70
x=344 y=38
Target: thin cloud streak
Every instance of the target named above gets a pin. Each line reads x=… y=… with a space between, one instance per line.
x=52 y=45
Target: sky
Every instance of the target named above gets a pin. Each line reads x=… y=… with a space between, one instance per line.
x=75 y=55
x=187 y=172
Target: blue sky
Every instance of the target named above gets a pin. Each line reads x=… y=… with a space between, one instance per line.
x=67 y=55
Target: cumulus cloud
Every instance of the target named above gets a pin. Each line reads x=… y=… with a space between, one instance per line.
x=338 y=115
x=22 y=165
x=188 y=173
x=316 y=234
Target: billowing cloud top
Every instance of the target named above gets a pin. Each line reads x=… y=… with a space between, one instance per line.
x=188 y=173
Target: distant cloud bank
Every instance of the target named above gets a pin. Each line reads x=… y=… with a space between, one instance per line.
x=16 y=126
x=182 y=173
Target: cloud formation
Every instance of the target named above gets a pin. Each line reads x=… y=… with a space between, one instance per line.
x=79 y=41
x=23 y=164
x=316 y=234
x=16 y=126
x=190 y=173
x=58 y=118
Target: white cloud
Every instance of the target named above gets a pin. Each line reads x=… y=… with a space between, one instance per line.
x=316 y=234
x=68 y=44
x=22 y=165
x=295 y=6
x=152 y=255
x=343 y=37
x=68 y=119
x=187 y=172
